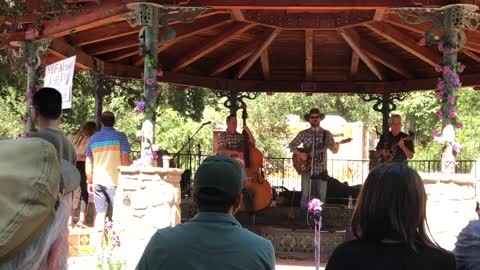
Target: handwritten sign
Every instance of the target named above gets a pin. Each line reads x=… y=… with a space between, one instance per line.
x=59 y=75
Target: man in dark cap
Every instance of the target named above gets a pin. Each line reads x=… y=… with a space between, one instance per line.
x=213 y=239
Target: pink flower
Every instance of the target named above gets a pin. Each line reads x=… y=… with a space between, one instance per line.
x=455 y=80
x=314 y=203
x=160 y=72
x=23 y=119
x=439 y=113
x=439 y=95
x=456 y=147
x=24 y=100
x=116 y=240
x=157 y=92
x=440 y=47
x=438 y=68
x=451 y=99
x=440 y=84
x=452 y=113
x=461 y=68
x=422 y=42
x=436 y=133
x=108 y=225
x=447 y=70
x=29 y=92
x=140 y=105
x=150 y=82
x=459 y=125
x=24 y=135
x=37 y=87
x=449 y=50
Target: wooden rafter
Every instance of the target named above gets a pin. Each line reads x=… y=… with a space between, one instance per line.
x=199 y=26
x=359 y=87
x=254 y=57
x=308 y=4
x=471 y=54
x=225 y=36
x=387 y=59
x=405 y=42
x=265 y=61
x=182 y=31
x=119 y=55
x=308 y=54
x=379 y=13
x=353 y=40
x=354 y=65
x=119 y=29
x=473 y=37
x=60 y=48
x=237 y=15
x=235 y=58
x=91 y=16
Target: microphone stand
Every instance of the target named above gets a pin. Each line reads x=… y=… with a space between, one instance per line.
x=189 y=140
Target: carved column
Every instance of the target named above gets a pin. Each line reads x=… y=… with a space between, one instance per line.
x=385 y=105
x=235 y=100
x=447 y=33
x=32 y=51
x=151 y=16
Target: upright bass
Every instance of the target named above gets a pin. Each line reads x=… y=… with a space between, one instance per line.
x=255 y=182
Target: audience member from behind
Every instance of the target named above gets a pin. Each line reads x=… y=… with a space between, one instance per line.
x=213 y=239
x=467 y=248
x=106 y=151
x=46 y=110
x=36 y=198
x=79 y=139
x=389 y=222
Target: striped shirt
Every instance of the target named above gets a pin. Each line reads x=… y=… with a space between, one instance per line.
x=106 y=147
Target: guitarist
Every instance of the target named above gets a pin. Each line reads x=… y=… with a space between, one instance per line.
x=323 y=140
x=393 y=146
x=230 y=142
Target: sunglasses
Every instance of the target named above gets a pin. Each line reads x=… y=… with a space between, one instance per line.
x=315 y=117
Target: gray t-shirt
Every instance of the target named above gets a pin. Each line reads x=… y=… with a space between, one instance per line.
x=64 y=147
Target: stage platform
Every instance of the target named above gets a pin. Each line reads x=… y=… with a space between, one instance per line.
x=289 y=231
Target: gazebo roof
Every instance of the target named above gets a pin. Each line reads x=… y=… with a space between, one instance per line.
x=329 y=46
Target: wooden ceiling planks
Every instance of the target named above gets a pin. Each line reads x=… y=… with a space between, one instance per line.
x=229 y=46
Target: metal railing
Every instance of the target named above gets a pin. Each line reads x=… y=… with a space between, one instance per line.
x=280 y=171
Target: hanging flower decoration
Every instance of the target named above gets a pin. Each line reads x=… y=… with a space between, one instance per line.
x=160 y=72
x=140 y=105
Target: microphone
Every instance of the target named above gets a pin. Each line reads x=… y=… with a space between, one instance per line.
x=315 y=207
x=207 y=123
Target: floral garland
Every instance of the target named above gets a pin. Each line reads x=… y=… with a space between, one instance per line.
x=109 y=257
x=449 y=79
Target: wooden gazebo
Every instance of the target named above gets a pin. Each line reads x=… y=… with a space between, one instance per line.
x=348 y=46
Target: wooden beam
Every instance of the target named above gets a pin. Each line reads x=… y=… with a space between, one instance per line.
x=237 y=14
x=384 y=57
x=60 y=48
x=308 y=54
x=225 y=36
x=119 y=55
x=235 y=58
x=353 y=40
x=359 y=87
x=121 y=29
x=182 y=31
x=310 y=4
x=404 y=41
x=266 y=42
x=471 y=54
x=379 y=13
x=91 y=16
x=354 y=66
x=264 y=59
x=199 y=26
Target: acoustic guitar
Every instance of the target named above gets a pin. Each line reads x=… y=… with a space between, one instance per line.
x=391 y=152
x=303 y=166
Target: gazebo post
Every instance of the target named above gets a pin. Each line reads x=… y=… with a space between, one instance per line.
x=32 y=51
x=99 y=94
x=151 y=16
x=451 y=20
x=384 y=104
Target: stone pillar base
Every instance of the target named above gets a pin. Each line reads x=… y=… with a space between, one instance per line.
x=147 y=199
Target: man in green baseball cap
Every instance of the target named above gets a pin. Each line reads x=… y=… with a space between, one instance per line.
x=213 y=239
